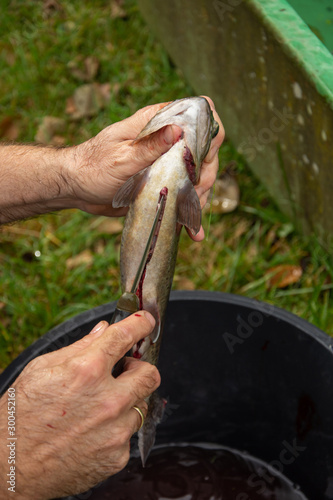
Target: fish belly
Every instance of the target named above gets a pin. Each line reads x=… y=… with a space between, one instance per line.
x=169 y=171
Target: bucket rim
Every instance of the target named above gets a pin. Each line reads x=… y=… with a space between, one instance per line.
x=74 y=324
x=258 y=305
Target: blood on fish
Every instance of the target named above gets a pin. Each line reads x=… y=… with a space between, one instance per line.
x=49 y=425
x=63 y=413
x=163 y=194
x=139 y=289
x=137 y=355
x=190 y=165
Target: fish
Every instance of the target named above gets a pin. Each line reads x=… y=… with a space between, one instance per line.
x=171 y=180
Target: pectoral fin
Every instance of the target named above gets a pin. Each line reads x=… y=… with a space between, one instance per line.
x=129 y=190
x=189 y=209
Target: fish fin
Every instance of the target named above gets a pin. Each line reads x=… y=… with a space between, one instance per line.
x=153 y=308
x=156 y=332
x=129 y=190
x=189 y=209
x=147 y=433
x=171 y=114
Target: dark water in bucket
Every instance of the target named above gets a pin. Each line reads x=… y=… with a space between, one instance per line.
x=197 y=472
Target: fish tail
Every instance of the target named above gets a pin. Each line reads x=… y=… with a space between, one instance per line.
x=148 y=431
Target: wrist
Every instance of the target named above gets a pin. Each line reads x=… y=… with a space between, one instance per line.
x=58 y=172
x=34 y=180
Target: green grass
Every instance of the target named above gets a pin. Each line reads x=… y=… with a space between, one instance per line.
x=36 y=293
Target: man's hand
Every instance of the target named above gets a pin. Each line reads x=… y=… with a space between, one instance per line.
x=74 y=420
x=37 y=179
x=102 y=164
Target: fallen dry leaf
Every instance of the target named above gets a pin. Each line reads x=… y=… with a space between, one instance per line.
x=58 y=140
x=84 y=69
x=280 y=246
x=20 y=231
x=85 y=257
x=70 y=106
x=225 y=196
x=110 y=226
x=105 y=91
x=241 y=228
x=184 y=283
x=271 y=235
x=51 y=237
x=9 y=128
x=91 y=64
x=49 y=129
x=117 y=10
x=8 y=53
x=50 y=7
x=88 y=100
x=283 y=275
x=99 y=247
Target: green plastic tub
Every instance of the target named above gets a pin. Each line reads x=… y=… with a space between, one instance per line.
x=268 y=65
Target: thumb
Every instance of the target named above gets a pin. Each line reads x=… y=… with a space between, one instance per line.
x=120 y=337
x=149 y=148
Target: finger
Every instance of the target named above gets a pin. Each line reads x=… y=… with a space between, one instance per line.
x=217 y=141
x=139 y=380
x=120 y=337
x=61 y=355
x=215 y=145
x=130 y=127
x=127 y=425
x=208 y=175
x=210 y=101
x=136 y=420
x=105 y=209
x=197 y=237
x=148 y=149
x=131 y=157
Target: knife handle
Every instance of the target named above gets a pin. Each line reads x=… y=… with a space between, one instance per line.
x=126 y=305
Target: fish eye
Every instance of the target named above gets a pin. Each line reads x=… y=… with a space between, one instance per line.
x=216 y=128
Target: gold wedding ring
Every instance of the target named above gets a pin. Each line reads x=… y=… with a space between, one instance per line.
x=141 y=415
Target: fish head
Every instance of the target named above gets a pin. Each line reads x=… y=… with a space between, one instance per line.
x=199 y=130
x=194 y=116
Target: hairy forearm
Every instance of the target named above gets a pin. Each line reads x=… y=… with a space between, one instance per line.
x=32 y=180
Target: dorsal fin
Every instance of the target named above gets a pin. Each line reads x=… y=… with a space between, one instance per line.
x=129 y=190
x=189 y=209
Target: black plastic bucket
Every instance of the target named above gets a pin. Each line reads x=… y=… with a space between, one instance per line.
x=236 y=372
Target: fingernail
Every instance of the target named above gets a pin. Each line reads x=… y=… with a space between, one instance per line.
x=101 y=325
x=150 y=318
x=168 y=135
